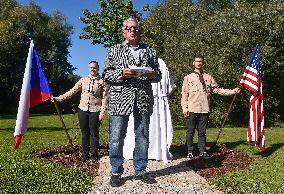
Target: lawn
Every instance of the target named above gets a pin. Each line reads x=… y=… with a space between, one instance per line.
x=265 y=175
x=20 y=172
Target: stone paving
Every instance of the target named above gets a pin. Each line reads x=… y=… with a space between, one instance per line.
x=174 y=177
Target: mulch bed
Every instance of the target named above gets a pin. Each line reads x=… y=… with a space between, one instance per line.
x=222 y=160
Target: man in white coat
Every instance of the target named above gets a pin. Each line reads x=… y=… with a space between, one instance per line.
x=160 y=128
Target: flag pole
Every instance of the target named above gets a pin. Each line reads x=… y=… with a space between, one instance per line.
x=63 y=124
x=225 y=119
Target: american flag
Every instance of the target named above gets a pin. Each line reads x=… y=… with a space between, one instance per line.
x=252 y=79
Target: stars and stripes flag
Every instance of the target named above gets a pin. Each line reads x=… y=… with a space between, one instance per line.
x=252 y=79
x=35 y=90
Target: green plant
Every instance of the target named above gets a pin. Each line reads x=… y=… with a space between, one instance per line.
x=20 y=172
x=265 y=175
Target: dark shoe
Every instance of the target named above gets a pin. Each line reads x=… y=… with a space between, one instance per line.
x=85 y=158
x=93 y=161
x=94 y=158
x=190 y=156
x=116 y=180
x=204 y=155
x=146 y=178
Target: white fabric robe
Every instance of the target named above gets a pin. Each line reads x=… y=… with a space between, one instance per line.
x=160 y=128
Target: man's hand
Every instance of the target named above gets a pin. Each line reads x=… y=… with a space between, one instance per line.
x=53 y=99
x=186 y=114
x=101 y=116
x=237 y=90
x=128 y=73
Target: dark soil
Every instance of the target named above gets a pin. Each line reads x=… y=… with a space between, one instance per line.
x=221 y=159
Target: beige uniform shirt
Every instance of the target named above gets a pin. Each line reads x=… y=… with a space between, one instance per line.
x=93 y=101
x=196 y=95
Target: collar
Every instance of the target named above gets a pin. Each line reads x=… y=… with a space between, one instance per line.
x=127 y=44
x=201 y=72
x=92 y=77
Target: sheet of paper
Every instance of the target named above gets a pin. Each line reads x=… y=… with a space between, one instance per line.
x=141 y=70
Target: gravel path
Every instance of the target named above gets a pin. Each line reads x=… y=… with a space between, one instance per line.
x=174 y=177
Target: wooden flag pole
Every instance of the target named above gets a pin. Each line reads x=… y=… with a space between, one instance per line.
x=225 y=119
x=63 y=124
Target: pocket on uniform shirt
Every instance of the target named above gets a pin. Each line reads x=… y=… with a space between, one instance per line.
x=192 y=88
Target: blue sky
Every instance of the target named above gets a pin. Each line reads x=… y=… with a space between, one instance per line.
x=82 y=51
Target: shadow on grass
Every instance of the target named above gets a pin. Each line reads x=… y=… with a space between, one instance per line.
x=270 y=150
x=8 y=117
x=233 y=145
x=180 y=127
x=38 y=129
x=15 y=116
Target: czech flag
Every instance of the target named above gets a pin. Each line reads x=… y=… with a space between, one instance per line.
x=35 y=90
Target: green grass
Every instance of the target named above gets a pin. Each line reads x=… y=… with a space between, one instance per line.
x=20 y=172
x=265 y=175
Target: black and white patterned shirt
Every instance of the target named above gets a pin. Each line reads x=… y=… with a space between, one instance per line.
x=124 y=92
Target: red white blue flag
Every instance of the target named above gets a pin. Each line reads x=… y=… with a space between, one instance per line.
x=35 y=90
x=252 y=79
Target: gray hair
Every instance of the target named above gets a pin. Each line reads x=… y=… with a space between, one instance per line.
x=130 y=19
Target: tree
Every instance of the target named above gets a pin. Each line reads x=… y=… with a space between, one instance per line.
x=105 y=27
x=214 y=5
x=51 y=35
x=226 y=38
x=224 y=31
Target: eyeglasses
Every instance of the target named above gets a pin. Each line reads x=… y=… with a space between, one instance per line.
x=129 y=28
x=198 y=61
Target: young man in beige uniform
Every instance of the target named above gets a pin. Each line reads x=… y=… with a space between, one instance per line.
x=195 y=103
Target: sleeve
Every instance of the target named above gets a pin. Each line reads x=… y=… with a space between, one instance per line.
x=71 y=92
x=104 y=98
x=155 y=65
x=184 y=95
x=171 y=83
x=112 y=74
x=221 y=91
